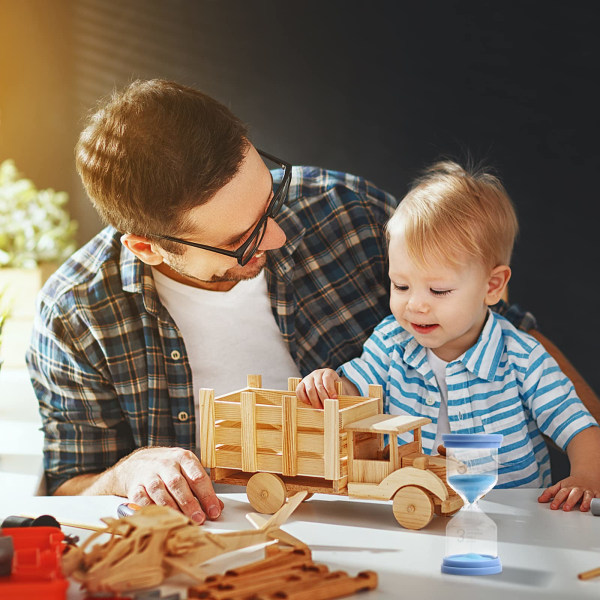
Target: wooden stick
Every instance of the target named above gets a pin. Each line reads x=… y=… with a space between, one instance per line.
x=589 y=574
x=72 y=524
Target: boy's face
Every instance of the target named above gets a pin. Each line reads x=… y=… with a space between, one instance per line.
x=443 y=306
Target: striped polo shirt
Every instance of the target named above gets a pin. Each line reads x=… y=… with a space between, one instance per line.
x=506 y=383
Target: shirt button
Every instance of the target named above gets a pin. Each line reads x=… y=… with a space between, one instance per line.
x=175 y=355
x=183 y=416
x=430 y=400
x=460 y=414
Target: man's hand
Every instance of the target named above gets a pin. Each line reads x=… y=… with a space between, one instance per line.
x=168 y=477
x=570 y=491
x=318 y=386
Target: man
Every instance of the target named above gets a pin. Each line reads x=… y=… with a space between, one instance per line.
x=209 y=270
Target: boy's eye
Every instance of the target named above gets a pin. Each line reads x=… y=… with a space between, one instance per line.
x=400 y=288
x=440 y=292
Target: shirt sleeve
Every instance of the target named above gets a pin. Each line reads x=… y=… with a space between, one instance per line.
x=84 y=427
x=371 y=367
x=552 y=401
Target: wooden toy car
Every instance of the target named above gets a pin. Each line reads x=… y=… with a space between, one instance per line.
x=274 y=445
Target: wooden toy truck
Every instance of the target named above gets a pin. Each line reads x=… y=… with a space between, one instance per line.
x=275 y=445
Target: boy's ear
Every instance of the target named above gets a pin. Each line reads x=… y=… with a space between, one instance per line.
x=146 y=250
x=497 y=282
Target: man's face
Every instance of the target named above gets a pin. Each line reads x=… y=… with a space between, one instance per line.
x=226 y=221
x=444 y=307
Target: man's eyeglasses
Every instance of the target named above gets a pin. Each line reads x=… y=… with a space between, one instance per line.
x=248 y=249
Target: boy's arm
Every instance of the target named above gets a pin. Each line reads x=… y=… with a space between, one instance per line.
x=584 y=481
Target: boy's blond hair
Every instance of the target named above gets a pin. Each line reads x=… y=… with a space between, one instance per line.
x=452 y=214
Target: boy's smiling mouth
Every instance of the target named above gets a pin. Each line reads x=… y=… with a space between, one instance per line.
x=425 y=327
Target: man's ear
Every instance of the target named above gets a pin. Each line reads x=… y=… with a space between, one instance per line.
x=146 y=250
x=497 y=282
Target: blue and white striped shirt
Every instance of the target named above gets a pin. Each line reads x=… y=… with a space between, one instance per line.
x=506 y=383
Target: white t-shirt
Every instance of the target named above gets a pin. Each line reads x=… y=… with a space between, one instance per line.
x=228 y=335
x=438 y=366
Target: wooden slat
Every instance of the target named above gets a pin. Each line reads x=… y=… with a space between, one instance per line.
x=331 y=453
x=254 y=381
x=288 y=425
x=207 y=427
x=312 y=443
x=309 y=418
x=231 y=436
x=293 y=383
x=389 y=424
x=311 y=467
x=228 y=411
x=248 y=413
x=370 y=471
x=359 y=411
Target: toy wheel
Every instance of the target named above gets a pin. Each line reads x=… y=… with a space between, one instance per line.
x=266 y=493
x=413 y=507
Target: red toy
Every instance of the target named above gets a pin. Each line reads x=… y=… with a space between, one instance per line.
x=36 y=566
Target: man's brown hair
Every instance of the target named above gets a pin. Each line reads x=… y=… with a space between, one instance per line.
x=154 y=151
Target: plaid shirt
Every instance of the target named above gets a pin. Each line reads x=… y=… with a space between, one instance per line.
x=108 y=363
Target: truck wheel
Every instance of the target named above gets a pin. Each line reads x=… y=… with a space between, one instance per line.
x=266 y=493
x=413 y=507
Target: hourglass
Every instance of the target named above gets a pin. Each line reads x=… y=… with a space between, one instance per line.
x=471 y=536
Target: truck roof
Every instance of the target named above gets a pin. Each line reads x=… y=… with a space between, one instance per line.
x=392 y=424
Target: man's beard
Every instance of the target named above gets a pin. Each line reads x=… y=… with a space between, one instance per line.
x=235 y=274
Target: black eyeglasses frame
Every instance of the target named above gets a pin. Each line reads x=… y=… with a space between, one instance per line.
x=248 y=249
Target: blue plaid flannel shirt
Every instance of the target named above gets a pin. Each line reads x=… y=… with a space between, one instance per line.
x=109 y=366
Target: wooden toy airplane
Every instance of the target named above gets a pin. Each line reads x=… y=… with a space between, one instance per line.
x=157 y=542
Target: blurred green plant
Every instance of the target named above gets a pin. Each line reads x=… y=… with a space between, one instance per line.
x=34 y=224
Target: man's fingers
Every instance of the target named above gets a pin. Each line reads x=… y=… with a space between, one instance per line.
x=139 y=496
x=178 y=486
x=157 y=492
x=202 y=487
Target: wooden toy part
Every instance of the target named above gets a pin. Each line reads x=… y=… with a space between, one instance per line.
x=413 y=507
x=266 y=492
x=268 y=441
x=283 y=573
x=589 y=574
x=156 y=542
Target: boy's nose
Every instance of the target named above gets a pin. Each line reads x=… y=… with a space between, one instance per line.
x=417 y=304
x=274 y=236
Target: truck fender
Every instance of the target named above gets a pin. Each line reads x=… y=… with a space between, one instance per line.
x=411 y=476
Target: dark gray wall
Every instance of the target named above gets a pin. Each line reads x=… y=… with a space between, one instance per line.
x=379 y=89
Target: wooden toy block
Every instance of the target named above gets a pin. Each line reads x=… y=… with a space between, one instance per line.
x=286 y=573
x=275 y=445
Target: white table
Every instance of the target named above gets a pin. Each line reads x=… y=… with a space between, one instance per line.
x=541 y=550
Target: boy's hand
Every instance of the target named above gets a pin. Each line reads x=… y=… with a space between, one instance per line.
x=570 y=491
x=318 y=386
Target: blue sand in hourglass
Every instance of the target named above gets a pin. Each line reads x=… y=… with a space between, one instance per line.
x=472 y=486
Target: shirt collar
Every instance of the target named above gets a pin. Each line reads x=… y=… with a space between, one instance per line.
x=136 y=278
x=482 y=359
x=280 y=260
